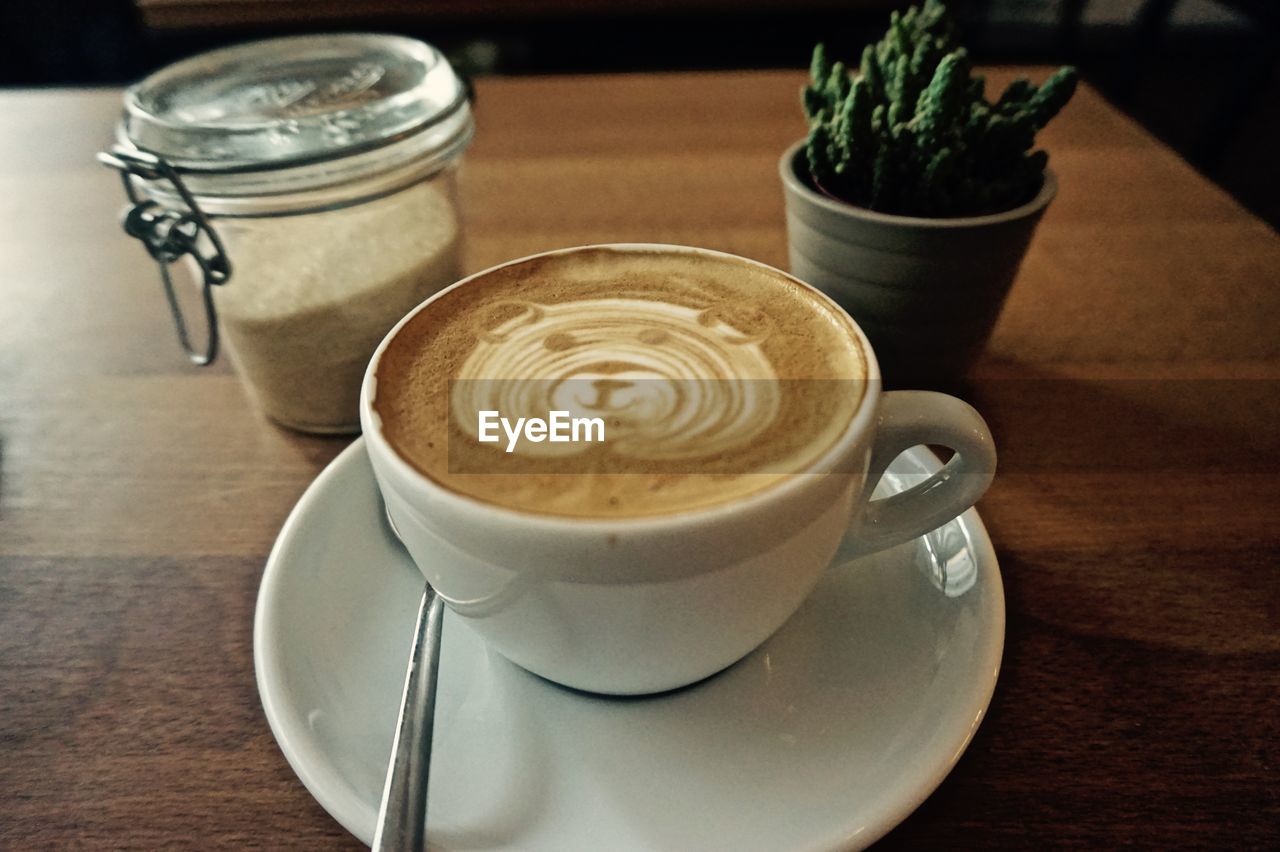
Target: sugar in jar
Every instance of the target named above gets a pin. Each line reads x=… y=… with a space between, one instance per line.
x=309 y=183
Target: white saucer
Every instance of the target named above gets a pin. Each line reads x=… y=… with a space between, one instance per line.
x=824 y=738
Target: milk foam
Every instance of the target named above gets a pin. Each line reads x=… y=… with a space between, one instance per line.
x=671 y=381
x=715 y=377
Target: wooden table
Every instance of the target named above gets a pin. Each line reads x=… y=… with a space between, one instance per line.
x=1131 y=384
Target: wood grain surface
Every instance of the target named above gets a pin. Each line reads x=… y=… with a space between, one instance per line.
x=1132 y=386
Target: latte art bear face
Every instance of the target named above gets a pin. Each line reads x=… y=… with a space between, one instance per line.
x=670 y=381
x=714 y=378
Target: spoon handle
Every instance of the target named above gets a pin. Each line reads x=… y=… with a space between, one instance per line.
x=402 y=818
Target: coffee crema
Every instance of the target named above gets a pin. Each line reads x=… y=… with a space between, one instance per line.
x=714 y=379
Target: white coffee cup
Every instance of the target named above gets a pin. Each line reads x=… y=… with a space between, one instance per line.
x=647 y=604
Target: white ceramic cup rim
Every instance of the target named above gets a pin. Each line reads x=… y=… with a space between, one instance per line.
x=828 y=462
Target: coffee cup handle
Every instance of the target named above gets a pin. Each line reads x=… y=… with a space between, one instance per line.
x=909 y=419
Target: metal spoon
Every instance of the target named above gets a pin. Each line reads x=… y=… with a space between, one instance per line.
x=402 y=816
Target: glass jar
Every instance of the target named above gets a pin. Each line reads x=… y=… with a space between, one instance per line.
x=310 y=182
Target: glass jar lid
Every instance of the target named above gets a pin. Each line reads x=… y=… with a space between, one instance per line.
x=290 y=102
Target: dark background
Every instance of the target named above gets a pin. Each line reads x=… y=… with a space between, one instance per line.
x=1200 y=74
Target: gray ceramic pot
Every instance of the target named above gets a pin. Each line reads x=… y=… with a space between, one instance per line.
x=927 y=292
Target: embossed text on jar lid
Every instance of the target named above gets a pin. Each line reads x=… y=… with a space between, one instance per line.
x=292 y=101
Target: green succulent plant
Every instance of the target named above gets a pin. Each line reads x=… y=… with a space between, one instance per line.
x=912 y=133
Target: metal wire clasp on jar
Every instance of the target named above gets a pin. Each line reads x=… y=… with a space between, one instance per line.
x=311 y=182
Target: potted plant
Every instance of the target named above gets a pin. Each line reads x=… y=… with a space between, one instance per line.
x=914 y=198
